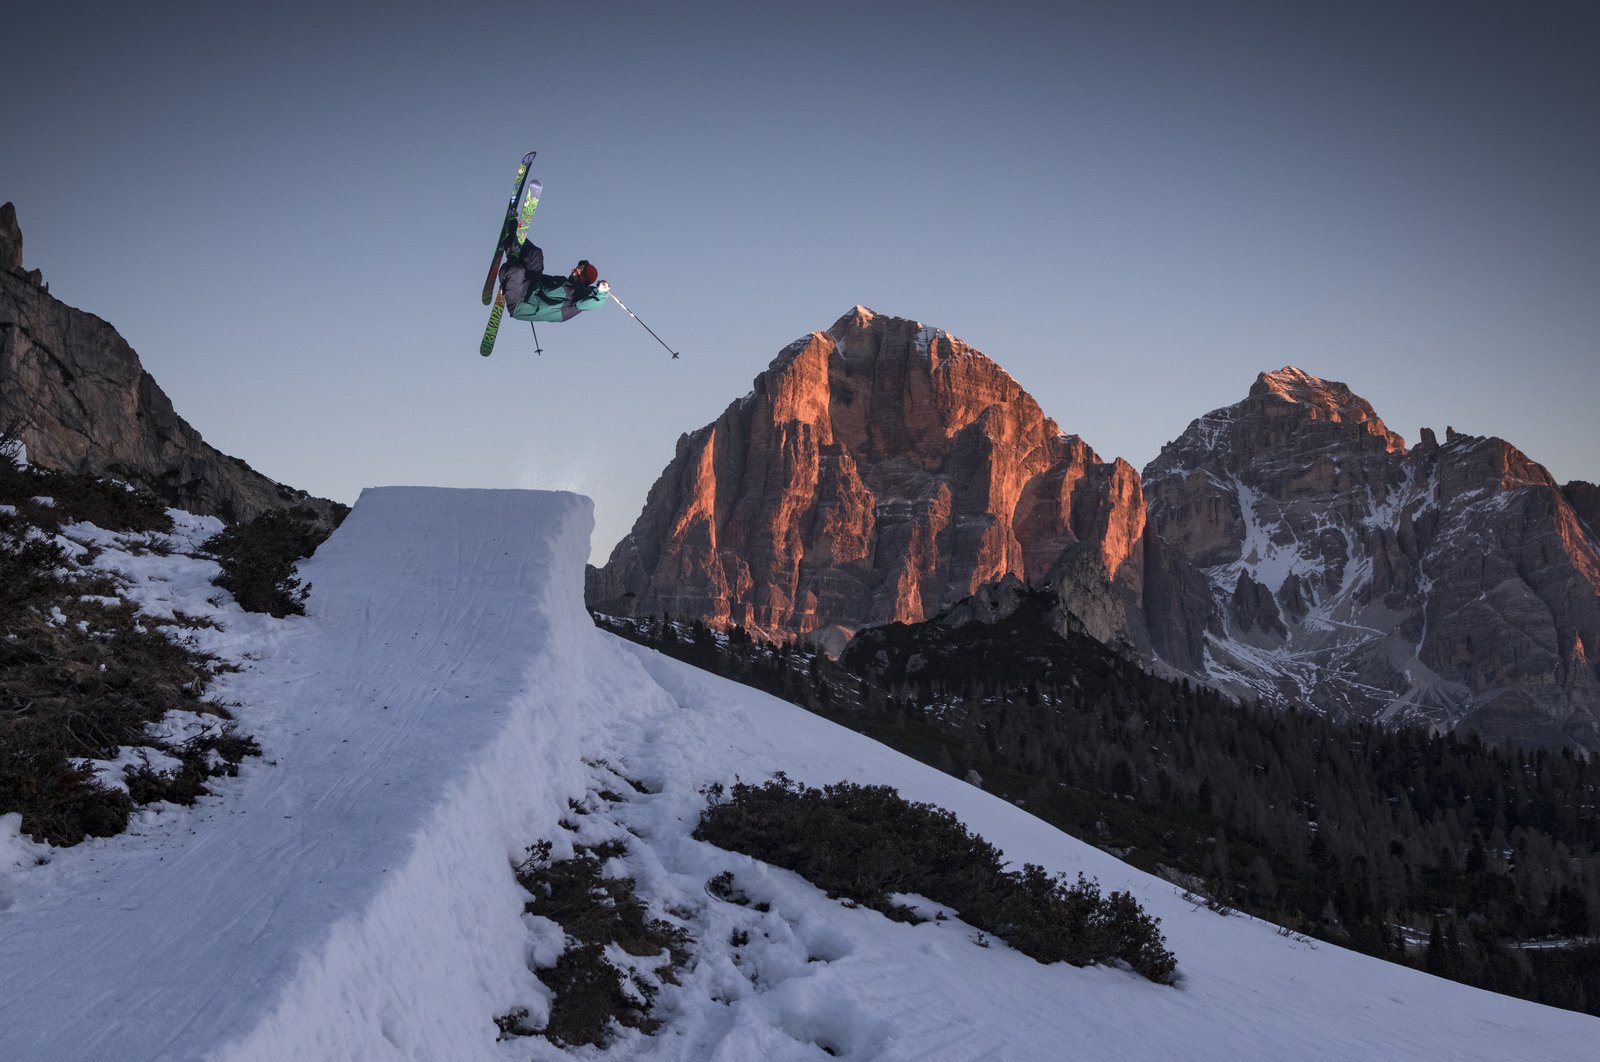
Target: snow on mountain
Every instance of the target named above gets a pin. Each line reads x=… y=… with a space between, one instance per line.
x=1447 y=585
x=350 y=895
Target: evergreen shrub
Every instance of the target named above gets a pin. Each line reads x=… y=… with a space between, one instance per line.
x=80 y=677
x=867 y=843
x=595 y=912
x=258 y=561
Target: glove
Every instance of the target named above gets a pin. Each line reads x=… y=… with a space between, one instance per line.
x=602 y=287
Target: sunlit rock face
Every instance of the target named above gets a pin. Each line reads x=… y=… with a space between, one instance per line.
x=878 y=471
x=1288 y=548
x=1451 y=584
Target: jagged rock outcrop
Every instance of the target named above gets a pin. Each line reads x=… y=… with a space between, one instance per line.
x=1450 y=584
x=880 y=471
x=1585 y=501
x=11 y=247
x=76 y=395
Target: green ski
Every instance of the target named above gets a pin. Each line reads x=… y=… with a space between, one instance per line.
x=495 y=313
x=513 y=233
x=512 y=226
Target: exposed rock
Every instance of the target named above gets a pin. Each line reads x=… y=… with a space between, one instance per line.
x=1086 y=600
x=880 y=471
x=1293 y=549
x=1254 y=609
x=11 y=247
x=74 y=391
x=1178 y=612
x=1585 y=501
x=990 y=604
x=1449 y=585
x=10 y=239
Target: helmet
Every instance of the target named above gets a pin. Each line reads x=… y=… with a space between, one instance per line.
x=586 y=272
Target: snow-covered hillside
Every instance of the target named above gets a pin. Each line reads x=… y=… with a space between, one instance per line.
x=350 y=895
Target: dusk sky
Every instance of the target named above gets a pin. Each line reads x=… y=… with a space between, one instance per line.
x=288 y=210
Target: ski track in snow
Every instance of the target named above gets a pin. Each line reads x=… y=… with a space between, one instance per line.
x=350 y=895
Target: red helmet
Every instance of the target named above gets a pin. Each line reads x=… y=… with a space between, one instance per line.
x=586 y=272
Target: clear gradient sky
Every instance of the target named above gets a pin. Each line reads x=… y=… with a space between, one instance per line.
x=1134 y=208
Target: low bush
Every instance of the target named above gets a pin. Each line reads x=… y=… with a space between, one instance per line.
x=596 y=912
x=80 y=498
x=867 y=843
x=258 y=561
x=80 y=677
x=214 y=754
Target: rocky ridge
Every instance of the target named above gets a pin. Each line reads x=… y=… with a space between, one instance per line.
x=1288 y=548
x=1449 y=584
x=76 y=395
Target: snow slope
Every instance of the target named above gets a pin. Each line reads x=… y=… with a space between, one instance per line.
x=350 y=895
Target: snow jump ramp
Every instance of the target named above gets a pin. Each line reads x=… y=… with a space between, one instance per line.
x=334 y=897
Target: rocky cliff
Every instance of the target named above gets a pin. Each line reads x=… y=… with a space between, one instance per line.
x=75 y=394
x=1449 y=584
x=881 y=471
x=1585 y=501
x=1289 y=547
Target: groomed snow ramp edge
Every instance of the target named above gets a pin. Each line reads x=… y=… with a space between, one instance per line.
x=495 y=580
x=350 y=895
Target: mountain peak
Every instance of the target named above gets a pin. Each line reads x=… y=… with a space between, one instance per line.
x=1323 y=399
x=856 y=318
x=879 y=471
x=1293 y=384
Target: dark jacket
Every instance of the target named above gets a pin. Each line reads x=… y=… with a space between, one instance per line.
x=534 y=295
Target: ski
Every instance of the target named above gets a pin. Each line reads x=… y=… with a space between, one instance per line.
x=489 y=333
x=513 y=233
x=514 y=225
x=530 y=202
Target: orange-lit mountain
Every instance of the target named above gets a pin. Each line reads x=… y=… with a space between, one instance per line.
x=1288 y=548
x=883 y=471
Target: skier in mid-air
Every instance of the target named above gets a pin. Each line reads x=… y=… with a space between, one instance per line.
x=526 y=291
x=533 y=295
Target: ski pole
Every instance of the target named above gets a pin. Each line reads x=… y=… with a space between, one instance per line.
x=635 y=316
x=537 y=349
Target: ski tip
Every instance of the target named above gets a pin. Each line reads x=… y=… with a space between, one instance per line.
x=527 y=160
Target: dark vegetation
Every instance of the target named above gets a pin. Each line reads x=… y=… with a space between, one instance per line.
x=1440 y=852
x=867 y=843
x=81 y=674
x=79 y=499
x=258 y=559
x=595 y=912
